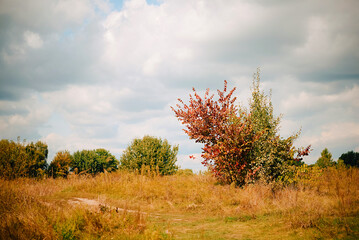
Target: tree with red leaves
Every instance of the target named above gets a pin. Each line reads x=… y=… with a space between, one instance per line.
x=226 y=133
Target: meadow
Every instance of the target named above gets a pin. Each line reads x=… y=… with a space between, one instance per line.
x=319 y=204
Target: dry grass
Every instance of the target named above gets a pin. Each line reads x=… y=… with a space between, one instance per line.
x=323 y=204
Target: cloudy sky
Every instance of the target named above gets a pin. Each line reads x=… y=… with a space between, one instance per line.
x=87 y=74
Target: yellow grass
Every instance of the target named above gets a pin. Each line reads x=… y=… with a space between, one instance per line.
x=324 y=204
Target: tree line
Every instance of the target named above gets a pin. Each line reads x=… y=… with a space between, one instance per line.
x=325 y=160
x=21 y=159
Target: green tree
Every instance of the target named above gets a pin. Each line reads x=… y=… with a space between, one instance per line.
x=93 y=161
x=37 y=157
x=325 y=159
x=18 y=159
x=350 y=158
x=150 y=152
x=13 y=159
x=271 y=153
x=110 y=162
x=60 y=165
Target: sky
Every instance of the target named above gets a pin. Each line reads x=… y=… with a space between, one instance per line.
x=90 y=74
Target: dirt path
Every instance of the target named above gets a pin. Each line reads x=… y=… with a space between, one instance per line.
x=97 y=204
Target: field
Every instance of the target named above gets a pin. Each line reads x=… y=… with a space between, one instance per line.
x=323 y=204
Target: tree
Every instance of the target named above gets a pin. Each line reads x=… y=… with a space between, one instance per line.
x=18 y=159
x=350 y=158
x=110 y=163
x=151 y=152
x=325 y=160
x=60 y=165
x=227 y=134
x=37 y=155
x=13 y=159
x=272 y=154
x=93 y=161
x=240 y=146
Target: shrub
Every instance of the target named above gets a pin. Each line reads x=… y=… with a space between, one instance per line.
x=93 y=161
x=151 y=152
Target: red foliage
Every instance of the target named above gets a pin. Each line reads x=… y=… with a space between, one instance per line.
x=301 y=152
x=227 y=135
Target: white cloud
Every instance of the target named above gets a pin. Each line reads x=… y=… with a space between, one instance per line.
x=152 y=64
x=335 y=134
x=23 y=118
x=52 y=15
x=73 y=143
x=337 y=137
x=13 y=54
x=319 y=46
x=32 y=39
x=74 y=11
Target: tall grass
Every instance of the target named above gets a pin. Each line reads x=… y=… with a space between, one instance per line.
x=322 y=202
x=29 y=209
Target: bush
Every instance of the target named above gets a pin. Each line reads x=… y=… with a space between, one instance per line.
x=93 y=161
x=22 y=160
x=150 y=152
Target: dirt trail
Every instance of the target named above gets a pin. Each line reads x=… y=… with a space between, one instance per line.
x=86 y=201
x=97 y=205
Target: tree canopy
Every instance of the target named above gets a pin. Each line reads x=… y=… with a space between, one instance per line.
x=60 y=165
x=151 y=152
x=350 y=158
x=19 y=159
x=93 y=161
x=325 y=160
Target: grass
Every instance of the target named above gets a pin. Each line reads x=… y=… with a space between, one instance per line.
x=324 y=204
